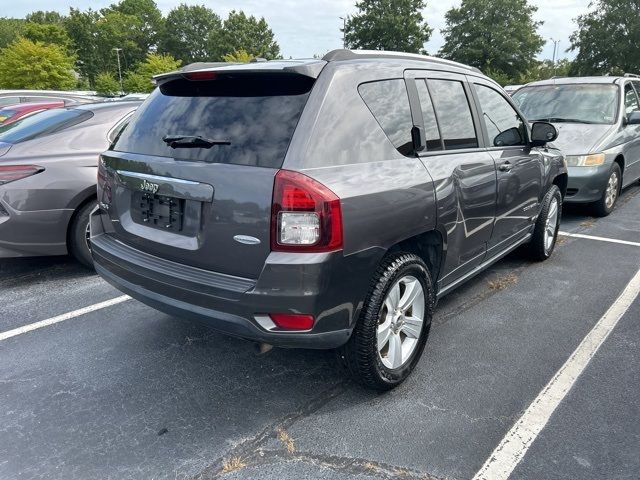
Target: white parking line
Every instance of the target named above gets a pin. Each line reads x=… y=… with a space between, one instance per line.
x=63 y=317
x=513 y=447
x=601 y=239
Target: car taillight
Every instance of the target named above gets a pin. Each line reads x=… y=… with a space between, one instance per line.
x=10 y=173
x=200 y=76
x=305 y=215
x=291 y=321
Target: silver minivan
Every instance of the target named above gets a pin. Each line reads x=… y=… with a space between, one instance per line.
x=599 y=123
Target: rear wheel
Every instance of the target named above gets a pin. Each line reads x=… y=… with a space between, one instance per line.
x=78 y=242
x=545 y=232
x=393 y=327
x=604 y=206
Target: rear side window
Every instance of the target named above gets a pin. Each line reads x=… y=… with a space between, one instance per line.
x=454 y=114
x=630 y=99
x=42 y=123
x=388 y=101
x=434 y=142
x=255 y=114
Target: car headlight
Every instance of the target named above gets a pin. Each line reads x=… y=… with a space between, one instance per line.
x=592 y=160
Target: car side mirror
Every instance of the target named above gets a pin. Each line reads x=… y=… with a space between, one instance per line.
x=542 y=133
x=633 y=118
x=418 y=139
x=508 y=138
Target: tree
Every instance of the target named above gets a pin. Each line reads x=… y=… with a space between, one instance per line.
x=45 y=17
x=494 y=35
x=148 y=15
x=188 y=28
x=106 y=84
x=240 y=32
x=83 y=30
x=240 y=56
x=388 y=25
x=48 y=33
x=139 y=80
x=607 y=38
x=34 y=65
x=10 y=30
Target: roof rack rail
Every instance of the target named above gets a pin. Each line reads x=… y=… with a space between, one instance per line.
x=633 y=75
x=346 y=54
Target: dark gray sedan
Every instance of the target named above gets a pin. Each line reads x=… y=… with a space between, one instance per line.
x=48 y=178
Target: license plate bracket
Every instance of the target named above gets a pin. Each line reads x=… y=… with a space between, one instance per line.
x=158 y=211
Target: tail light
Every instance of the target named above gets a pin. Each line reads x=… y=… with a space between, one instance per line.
x=10 y=173
x=200 y=76
x=305 y=215
x=287 y=321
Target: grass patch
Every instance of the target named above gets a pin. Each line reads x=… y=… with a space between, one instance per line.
x=503 y=282
x=233 y=464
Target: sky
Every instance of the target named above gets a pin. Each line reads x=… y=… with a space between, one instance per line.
x=304 y=28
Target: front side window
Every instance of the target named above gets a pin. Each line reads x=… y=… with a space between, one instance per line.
x=388 y=101
x=503 y=124
x=569 y=103
x=630 y=99
x=454 y=114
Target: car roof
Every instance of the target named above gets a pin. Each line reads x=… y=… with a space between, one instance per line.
x=575 y=80
x=101 y=106
x=72 y=93
x=312 y=66
x=19 y=107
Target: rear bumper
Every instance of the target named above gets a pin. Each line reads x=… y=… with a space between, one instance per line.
x=32 y=233
x=587 y=184
x=331 y=287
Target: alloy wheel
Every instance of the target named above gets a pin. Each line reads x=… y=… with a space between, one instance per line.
x=401 y=322
x=611 y=192
x=551 y=225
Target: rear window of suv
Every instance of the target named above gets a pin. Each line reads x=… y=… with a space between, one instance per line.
x=255 y=113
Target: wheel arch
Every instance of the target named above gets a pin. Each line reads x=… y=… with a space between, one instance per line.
x=429 y=246
x=561 y=181
x=79 y=202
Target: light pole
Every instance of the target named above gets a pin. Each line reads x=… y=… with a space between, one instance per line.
x=344 y=31
x=555 y=47
x=118 y=50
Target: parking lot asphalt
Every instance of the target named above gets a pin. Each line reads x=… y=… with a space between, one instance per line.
x=128 y=392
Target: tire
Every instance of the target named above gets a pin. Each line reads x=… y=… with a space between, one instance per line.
x=381 y=370
x=607 y=202
x=77 y=242
x=545 y=233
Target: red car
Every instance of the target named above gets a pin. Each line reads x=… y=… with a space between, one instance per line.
x=13 y=113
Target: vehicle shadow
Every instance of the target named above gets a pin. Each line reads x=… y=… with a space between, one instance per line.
x=18 y=271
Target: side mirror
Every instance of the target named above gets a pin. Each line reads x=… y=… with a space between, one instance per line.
x=418 y=138
x=633 y=118
x=508 y=138
x=542 y=133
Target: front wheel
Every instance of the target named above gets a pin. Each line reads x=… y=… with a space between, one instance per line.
x=545 y=232
x=604 y=206
x=393 y=327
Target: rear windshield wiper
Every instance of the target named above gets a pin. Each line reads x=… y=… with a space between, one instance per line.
x=561 y=120
x=192 y=141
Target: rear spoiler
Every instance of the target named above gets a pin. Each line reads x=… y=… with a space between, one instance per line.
x=308 y=69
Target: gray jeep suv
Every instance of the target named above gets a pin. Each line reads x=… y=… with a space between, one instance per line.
x=323 y=203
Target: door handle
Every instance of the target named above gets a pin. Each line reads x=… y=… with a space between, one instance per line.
x=505 y=167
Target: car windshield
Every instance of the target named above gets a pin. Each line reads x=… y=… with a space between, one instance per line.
x=42 y=123
x=572 y=103
x=6 y=115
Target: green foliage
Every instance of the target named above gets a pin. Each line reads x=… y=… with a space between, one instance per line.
x=388 y=25
x=240 y=56
x=240 y=32
x=52 y=33
x=149 y=20
x=497 y=36
x=45 y=17
x=106 y=84
x=607 y=39
x=27 y=64
x=139 y=80
x=186 y=33
x=10 y=30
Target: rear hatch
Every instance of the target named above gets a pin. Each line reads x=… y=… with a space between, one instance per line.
x=190 y=179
